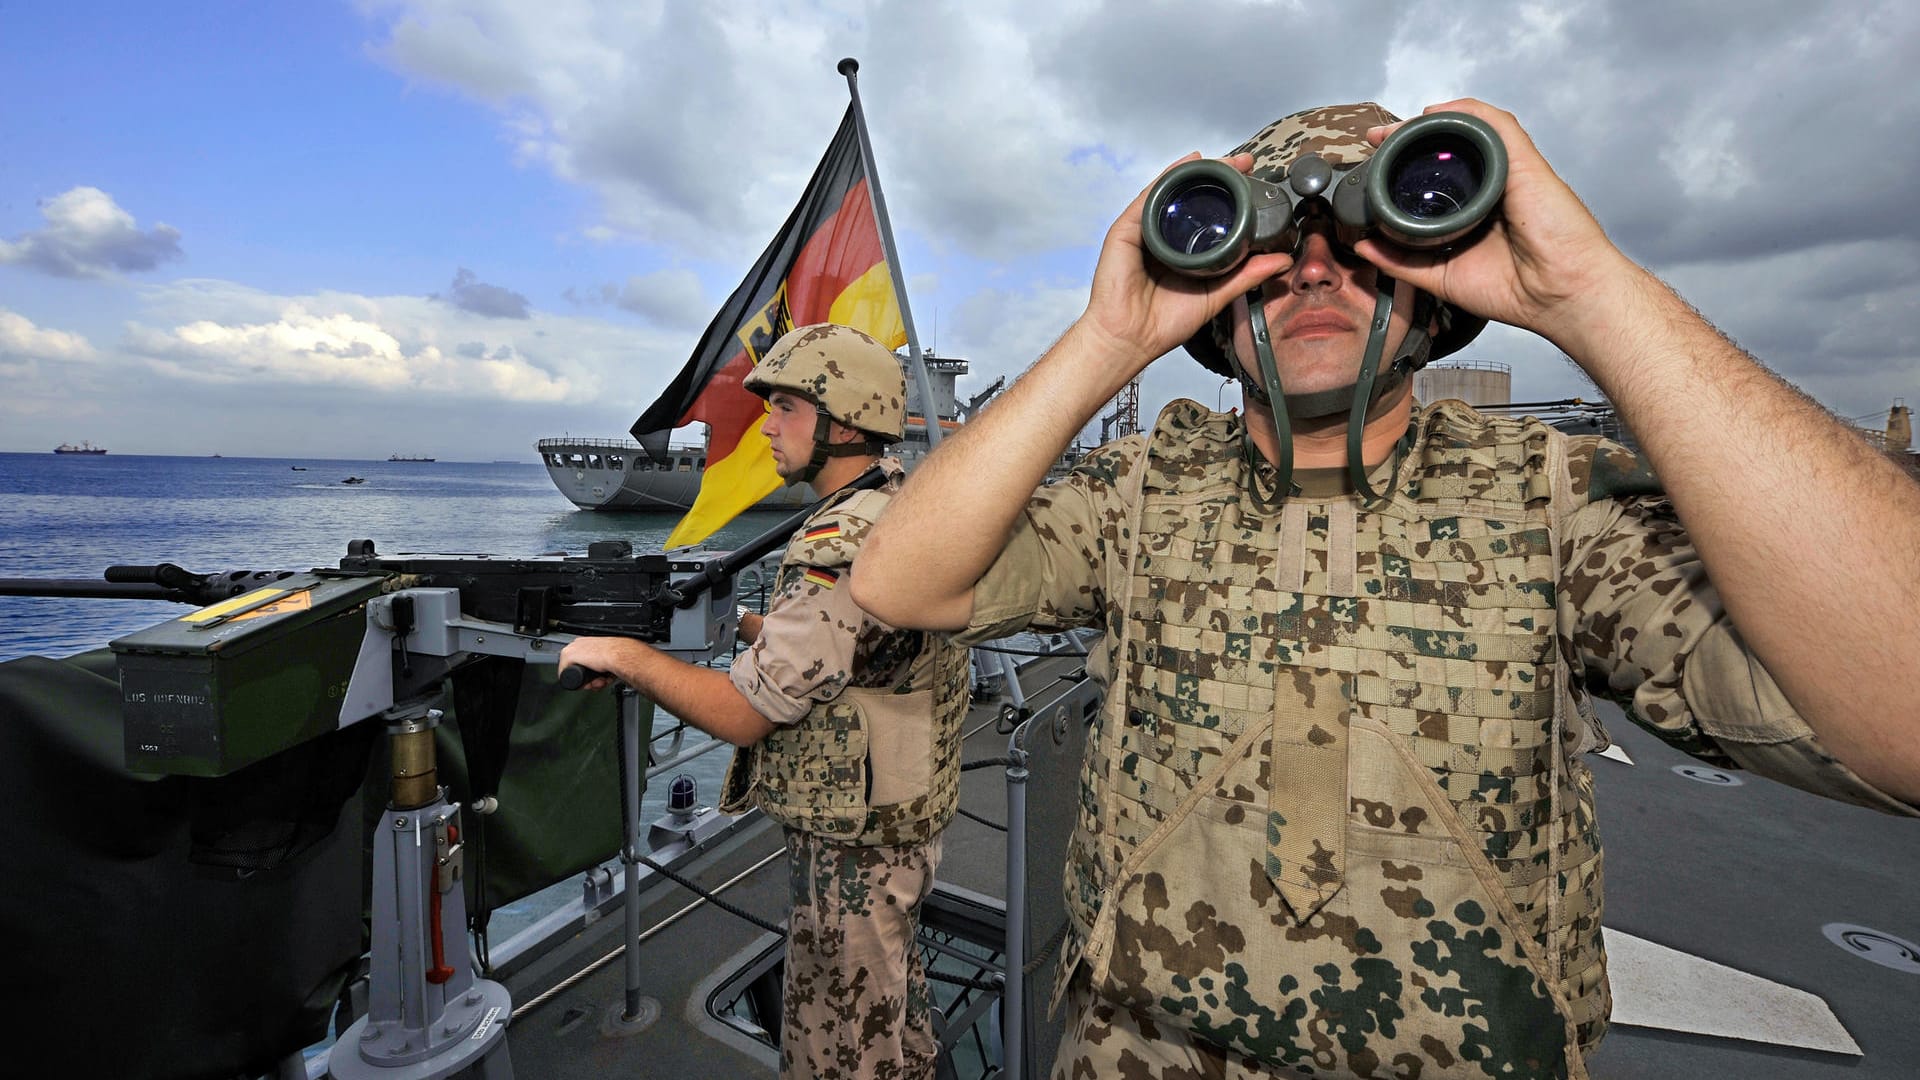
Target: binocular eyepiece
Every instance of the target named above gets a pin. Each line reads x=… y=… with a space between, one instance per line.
x=1435 y=179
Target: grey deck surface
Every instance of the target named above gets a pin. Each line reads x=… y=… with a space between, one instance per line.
x=576 y=1034
x=1747 y=876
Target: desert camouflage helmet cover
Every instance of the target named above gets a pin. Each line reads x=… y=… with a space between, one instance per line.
x=848 y=375
x=1337 y=133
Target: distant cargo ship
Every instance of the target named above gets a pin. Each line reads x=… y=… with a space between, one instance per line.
x=403 y=457
x=84 y=447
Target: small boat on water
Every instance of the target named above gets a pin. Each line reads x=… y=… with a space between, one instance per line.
x=354 y=480
x=82 y=447
x=298 y=468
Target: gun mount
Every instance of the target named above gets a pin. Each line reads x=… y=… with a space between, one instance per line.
x=277 y=657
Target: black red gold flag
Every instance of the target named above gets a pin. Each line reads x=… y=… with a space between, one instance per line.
x=826 y=264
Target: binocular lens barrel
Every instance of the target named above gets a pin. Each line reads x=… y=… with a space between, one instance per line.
x=1435 y=179
x=1198 y=217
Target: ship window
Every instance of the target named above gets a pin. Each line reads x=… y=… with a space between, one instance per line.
x=615 y=461
x=593 y=461
x=686 y=464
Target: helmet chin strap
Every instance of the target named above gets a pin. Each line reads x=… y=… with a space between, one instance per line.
x=823 y=449
x=1355 y=399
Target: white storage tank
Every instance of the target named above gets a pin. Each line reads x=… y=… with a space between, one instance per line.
x=1476 y=382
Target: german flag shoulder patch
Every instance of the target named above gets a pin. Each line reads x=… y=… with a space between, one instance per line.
x=826 y=530
x=821 y=576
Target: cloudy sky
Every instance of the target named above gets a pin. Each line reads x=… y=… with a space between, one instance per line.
x=452 y=228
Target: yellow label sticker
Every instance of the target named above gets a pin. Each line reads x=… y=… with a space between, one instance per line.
x=300 y=601
x=208 y=614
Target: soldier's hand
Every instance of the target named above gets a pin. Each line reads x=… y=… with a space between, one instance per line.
x=585 y=663
x=1542 y=262
x=1140 y=309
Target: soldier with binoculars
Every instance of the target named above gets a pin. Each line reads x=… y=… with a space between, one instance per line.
x=1334 y=817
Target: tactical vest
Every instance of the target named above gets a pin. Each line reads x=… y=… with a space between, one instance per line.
x=1326 y=824
x=880 y=763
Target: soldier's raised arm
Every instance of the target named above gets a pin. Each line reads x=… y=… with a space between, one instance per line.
x=959 y=506
x=1810 y=535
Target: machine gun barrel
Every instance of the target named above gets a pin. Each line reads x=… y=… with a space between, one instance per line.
x=81 y=587
x=161 y=581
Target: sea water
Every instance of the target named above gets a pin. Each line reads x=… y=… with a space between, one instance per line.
x=71 y=517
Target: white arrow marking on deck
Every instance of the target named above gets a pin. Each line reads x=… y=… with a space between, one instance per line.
x=1658 y=987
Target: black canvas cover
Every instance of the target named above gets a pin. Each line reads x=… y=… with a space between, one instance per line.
x=204 y=927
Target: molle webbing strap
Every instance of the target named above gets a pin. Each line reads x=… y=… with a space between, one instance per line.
x=1307 y=819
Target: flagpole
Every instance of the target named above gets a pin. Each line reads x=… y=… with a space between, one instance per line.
x=931 y=408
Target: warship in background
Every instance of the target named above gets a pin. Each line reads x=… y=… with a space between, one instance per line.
x=616 y=474
x=83 y=447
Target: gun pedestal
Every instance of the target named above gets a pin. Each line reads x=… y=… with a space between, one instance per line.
x=632 y=738
x=427 y=1014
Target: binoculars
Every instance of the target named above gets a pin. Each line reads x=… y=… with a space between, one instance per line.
x=1435 y=179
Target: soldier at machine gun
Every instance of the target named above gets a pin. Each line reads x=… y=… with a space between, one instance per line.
x=848 y=728
x=273 y=660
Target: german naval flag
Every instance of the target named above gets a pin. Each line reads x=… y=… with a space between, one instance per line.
x=826 y=264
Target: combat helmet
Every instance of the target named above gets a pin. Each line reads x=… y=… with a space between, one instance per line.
x=848 y=376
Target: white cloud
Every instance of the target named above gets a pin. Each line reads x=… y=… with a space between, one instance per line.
x=88 y=235
x=402 y=345
x=21 y=340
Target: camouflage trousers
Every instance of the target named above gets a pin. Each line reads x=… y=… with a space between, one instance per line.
x=1103 y=1039
x=855 y=1002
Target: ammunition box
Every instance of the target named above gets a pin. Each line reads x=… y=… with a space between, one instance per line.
x=224 y=686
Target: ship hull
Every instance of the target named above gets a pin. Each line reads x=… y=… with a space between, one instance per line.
x=613 y=474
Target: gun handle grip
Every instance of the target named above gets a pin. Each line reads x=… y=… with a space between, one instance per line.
x=573 y=676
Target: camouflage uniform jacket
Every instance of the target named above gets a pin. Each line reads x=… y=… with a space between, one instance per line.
x=1332 y=814
x=866 y=741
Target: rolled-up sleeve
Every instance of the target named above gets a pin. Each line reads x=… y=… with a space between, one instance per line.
x=1649 y=630
x=805 y=650
x=1051 y=575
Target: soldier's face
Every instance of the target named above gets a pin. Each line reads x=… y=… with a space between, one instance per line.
x=1318 y=312
x=789 y=428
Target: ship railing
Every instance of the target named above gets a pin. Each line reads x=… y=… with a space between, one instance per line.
x=609 y=444
x=1470 y=365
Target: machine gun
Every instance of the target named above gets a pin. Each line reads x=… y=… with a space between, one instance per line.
x=274 y=658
